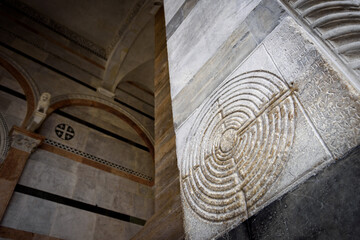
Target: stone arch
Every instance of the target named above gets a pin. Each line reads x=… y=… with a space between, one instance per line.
x=26 y=82
x=113 y=75
x=106 y=105
x=4 y=138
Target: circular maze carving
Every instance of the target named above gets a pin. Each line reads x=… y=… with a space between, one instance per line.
x=238 y=146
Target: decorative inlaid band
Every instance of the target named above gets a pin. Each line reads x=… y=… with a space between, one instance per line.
x=238 y=146
x=97 y=159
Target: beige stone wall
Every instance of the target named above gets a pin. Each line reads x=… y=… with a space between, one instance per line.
x=167 y=222
x=106 y=164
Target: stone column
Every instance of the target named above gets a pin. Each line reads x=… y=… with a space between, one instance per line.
x=23 y=143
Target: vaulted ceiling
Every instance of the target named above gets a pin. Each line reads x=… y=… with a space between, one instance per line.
x=96 y=21
x=121 y=32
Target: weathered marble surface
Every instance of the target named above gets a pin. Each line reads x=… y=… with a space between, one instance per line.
x=200 y=35
x=336 y=23
x=45 y=217
x=171 y=7
x=231 y=163
x=331 y=102
x=242 y=41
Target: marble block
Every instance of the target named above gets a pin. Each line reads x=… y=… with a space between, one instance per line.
x=285 y=113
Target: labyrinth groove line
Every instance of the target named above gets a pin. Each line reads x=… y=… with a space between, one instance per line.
x=238 y=146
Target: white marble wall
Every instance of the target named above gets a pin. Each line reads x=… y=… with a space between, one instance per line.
x=213 y=48
x=200 y=34
x=45 y=217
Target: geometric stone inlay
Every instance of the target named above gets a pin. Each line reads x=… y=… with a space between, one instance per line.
x=97 y=159
x=64 y=131
x=238 y=146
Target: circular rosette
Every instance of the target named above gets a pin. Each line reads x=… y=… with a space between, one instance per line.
x=237 y=146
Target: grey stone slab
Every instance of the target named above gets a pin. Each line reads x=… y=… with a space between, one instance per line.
x=124 y=202
x=71 y=223
x=5 y=37
x=236 y=48
x=331 y=102
x=6 y=51
x=264 y=18
x=109 y=228
x=4 y=102
x=117 y=151
x=17 y=108
x=171 y=7
x=85 y=187
x=104 y=120
x=69 y=68
x=14 y=210
x=29 y=49
x=54 y=83
x=131 y=230
x=9 y=81
x=12 y=121
x=180 y=15
x=47 y=178
x=55 y=161
x=105 y=195
x=145 y=165
x=37 y=215
x=28 y=213
x=71 y=59
x=200 y=35
x=131 y=99
x=102 y=146
x=86 y=53
x=143 y=207
x=146 y=96
x=145 y=191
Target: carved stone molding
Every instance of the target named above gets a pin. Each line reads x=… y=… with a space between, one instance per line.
x=24 y=141
x=26 y=82
x=337 y=23
x=238 y=146
x=33 y=87
x=4 y=138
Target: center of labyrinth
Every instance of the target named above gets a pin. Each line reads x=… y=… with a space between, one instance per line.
x=242 y=135
x=228 y=140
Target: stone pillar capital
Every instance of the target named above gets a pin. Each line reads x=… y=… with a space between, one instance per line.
x=24 y=140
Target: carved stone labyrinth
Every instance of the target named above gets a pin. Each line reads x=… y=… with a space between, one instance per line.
x=238 y=146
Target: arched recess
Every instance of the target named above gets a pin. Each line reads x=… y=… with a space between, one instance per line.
x=106 y=105
x=26 y=82
x=113 y=74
